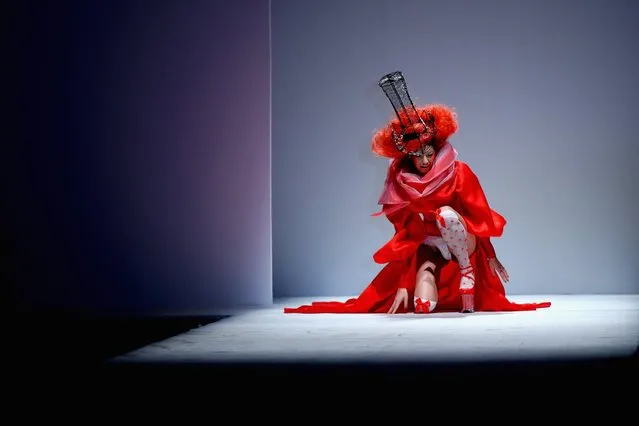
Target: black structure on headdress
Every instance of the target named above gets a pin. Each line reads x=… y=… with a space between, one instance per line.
x=394 y=86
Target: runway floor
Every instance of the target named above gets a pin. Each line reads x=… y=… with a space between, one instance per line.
x=582 y=345
x=584 y=327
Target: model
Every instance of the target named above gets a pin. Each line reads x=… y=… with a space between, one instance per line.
x=441 y=257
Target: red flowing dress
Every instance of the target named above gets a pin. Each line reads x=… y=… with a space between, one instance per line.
x=405 y=252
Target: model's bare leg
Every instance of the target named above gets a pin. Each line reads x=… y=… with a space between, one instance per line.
x=425 y=297
x=461 y=244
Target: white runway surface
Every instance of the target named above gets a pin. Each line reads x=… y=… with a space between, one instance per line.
x=574 y=327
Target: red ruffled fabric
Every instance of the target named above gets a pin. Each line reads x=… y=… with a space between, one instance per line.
x=405 y=252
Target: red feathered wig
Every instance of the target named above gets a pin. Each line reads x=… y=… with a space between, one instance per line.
x=445 y=120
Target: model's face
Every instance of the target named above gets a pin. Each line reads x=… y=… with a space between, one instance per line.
x=424 y=162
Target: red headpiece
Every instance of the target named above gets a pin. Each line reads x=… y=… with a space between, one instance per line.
x=412 y=128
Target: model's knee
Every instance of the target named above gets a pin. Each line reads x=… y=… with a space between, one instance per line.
x=447 y=217
x=446 y=209
x=448 y=213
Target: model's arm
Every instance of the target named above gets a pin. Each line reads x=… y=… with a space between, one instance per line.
x=407 y=226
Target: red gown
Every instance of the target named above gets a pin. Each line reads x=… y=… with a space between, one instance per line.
x=405 y=252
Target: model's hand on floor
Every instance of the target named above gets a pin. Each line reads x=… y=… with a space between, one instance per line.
x=497 y=268
x=400 y=298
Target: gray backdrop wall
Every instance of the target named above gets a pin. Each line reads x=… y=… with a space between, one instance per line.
x=136 y=174
x=126 y=122
x=546 y=93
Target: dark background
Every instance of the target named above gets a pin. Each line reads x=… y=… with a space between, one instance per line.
x=135 y=172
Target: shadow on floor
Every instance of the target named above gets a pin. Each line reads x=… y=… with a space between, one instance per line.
x=67 y=356
x=73 y=341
